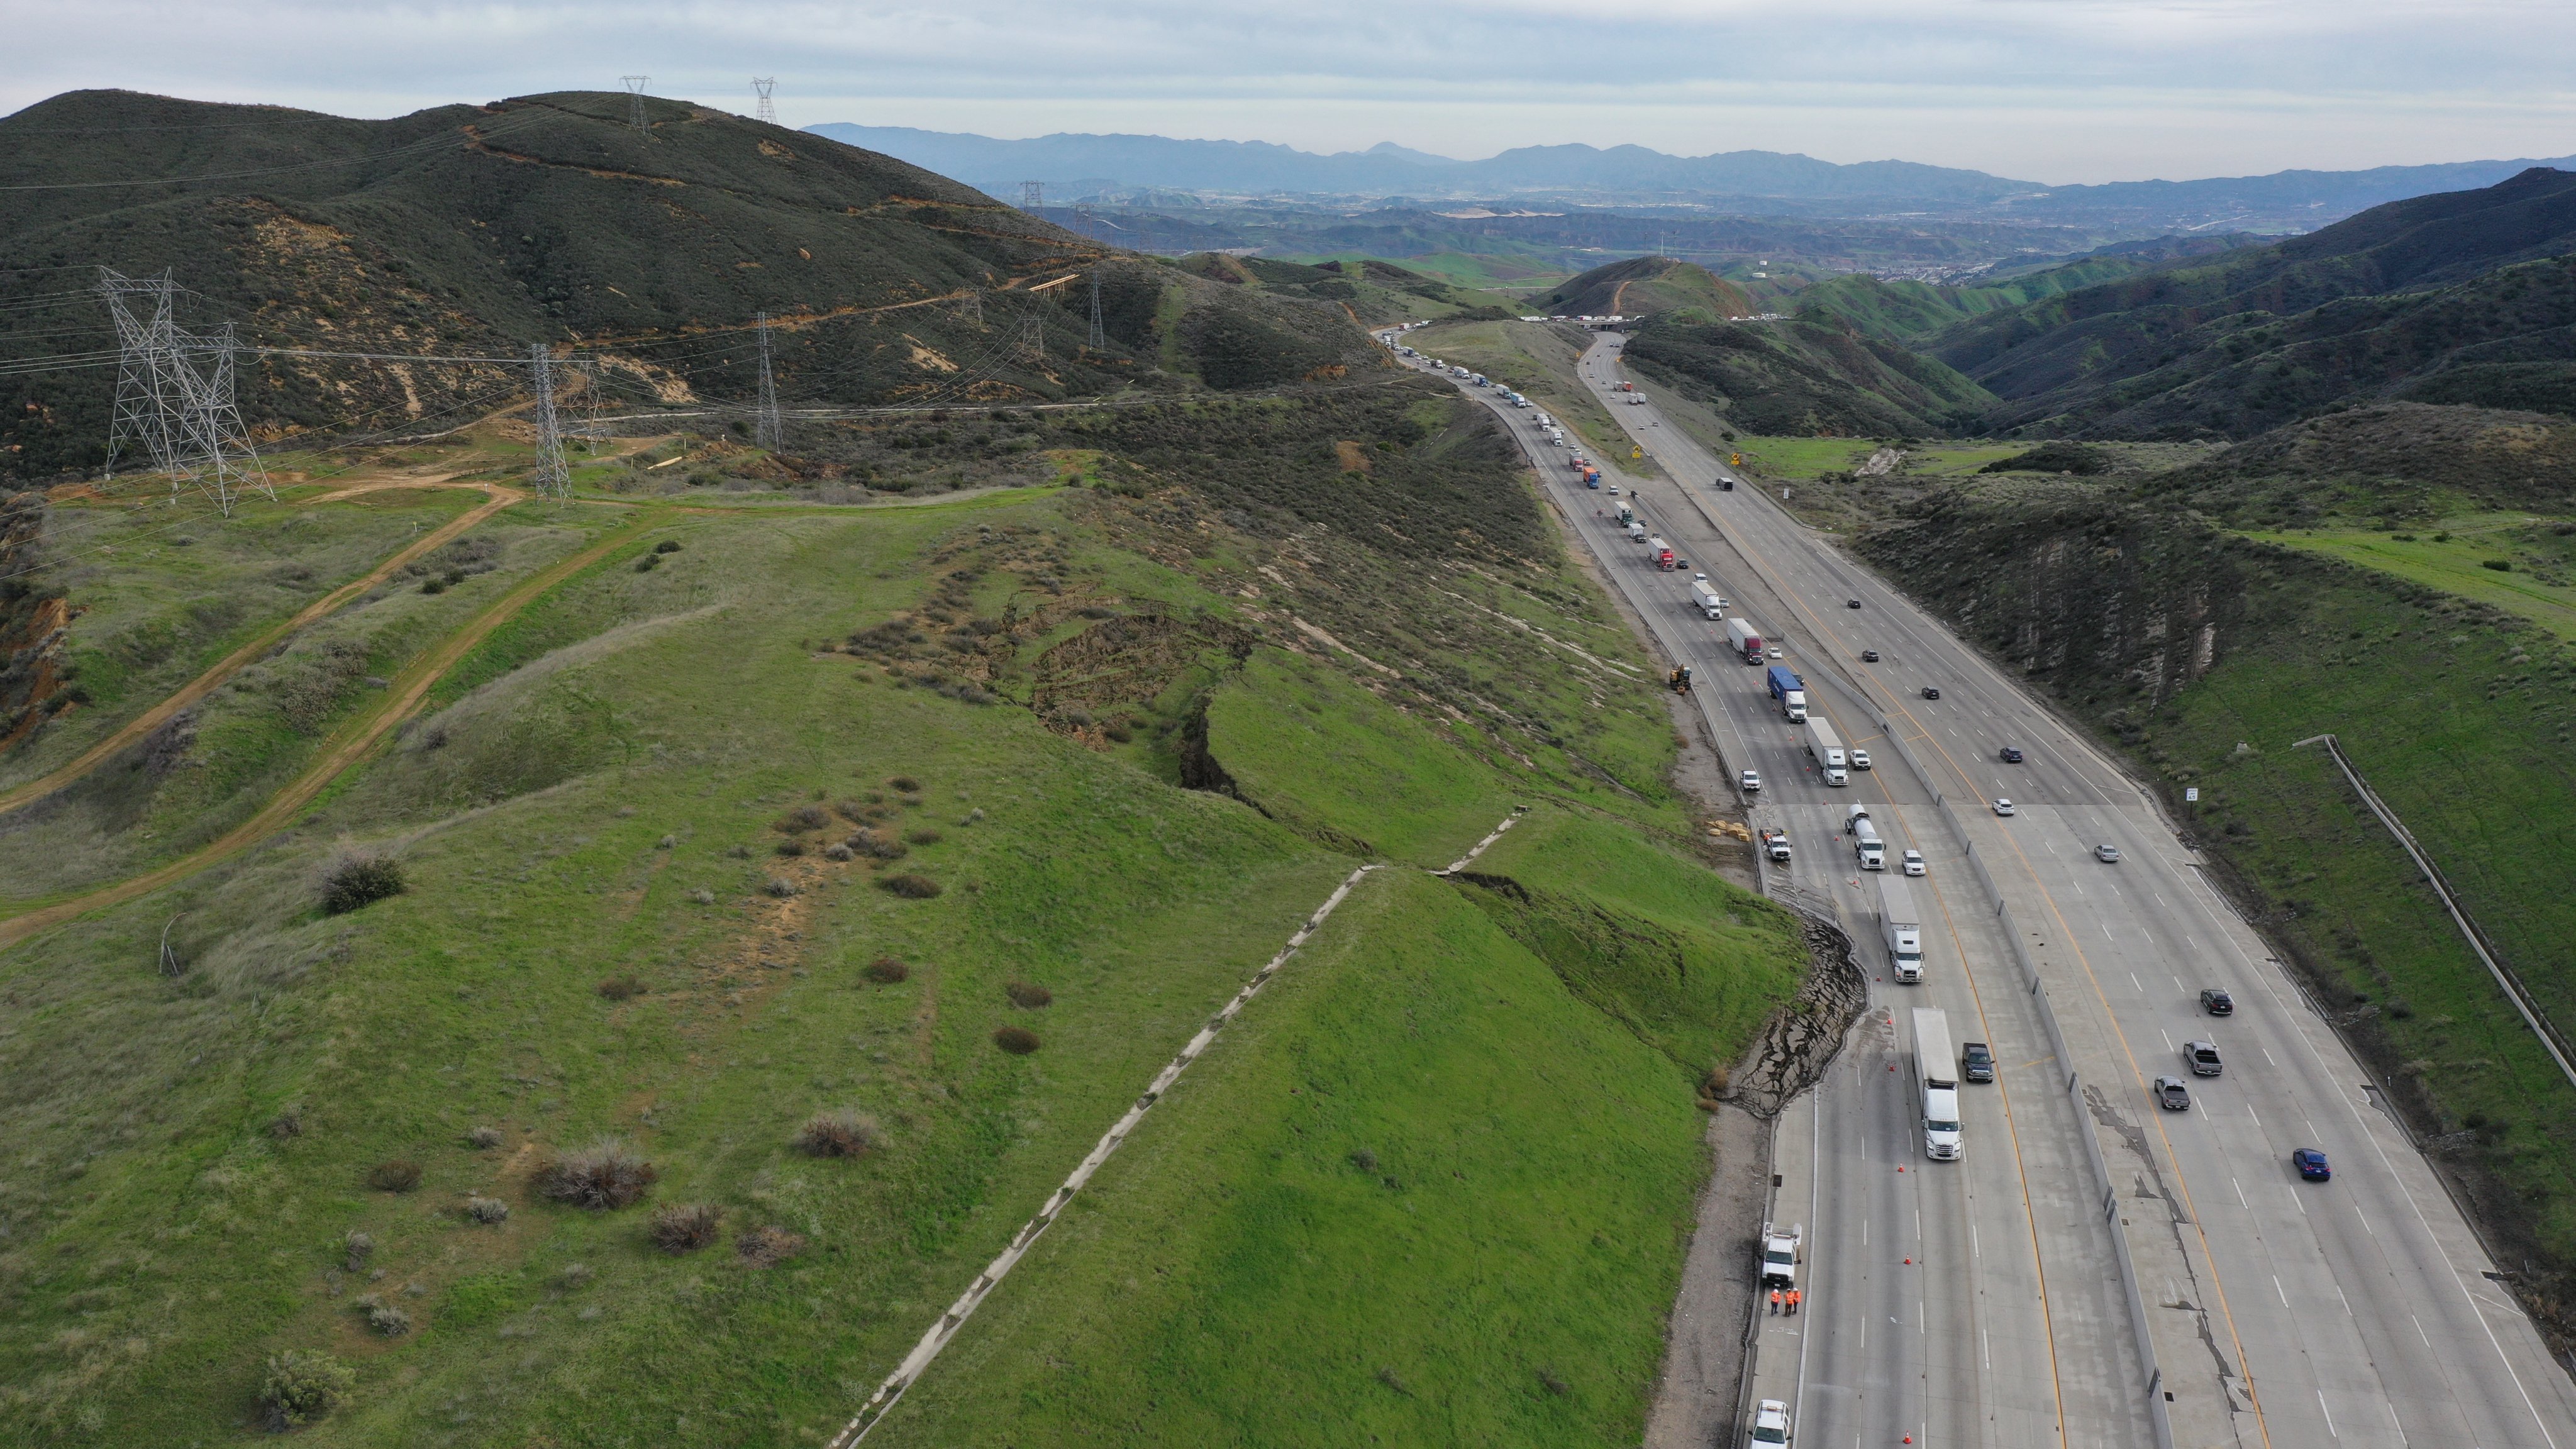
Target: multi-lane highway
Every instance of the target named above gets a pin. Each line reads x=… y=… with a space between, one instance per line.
x=2276 y=1311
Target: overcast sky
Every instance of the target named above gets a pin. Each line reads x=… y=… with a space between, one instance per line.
x=2055 y=91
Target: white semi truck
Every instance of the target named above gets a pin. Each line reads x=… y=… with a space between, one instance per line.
x=1707 y=599
x=1826 y=749
x=1867 y=848
x=1933 y=1069
x=1901 y=928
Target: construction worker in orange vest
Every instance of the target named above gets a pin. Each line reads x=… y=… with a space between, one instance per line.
x=1775 y=1300
x=1793 y=1303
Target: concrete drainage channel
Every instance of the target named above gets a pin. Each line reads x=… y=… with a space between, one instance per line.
x=945 y=1330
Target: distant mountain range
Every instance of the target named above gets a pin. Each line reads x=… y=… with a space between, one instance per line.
x=1074 y=166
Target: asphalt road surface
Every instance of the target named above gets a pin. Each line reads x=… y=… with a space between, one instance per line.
x=2280 y=1312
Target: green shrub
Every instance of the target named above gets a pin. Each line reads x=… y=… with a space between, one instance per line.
x=398 y=1174
x=301 y=1386
x=910 y=887
x=621 y=988
x=886 y=971
x=2500 y=565
x=1019 y=1041
x=1028 y=995
x=360 y=881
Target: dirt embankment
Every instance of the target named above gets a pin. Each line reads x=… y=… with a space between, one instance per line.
x=1803 y=1037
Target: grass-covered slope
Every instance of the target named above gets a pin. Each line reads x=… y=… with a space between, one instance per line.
x=1642 y=286
x=1805 y=376
x=2463 y=297
x=2204 y=655
x=1096 y=737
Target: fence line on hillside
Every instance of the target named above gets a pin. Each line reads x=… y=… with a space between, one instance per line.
x=2552 y=1040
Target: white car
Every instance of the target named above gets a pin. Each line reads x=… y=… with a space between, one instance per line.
x=2107 y=854
x=1913 y=862
x=1860 y=759
x=1770 y=1423
x=2003 y=807
x=1751 y=780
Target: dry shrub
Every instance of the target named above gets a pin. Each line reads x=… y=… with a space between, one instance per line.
x=388 y=1320
x=289 y=1123
x=360 y=1248
x=487 y=1209
x=791 y=847
x=924 y=836
x=802 y=818
x=302 y=1386
x=903 y=784
x=911 y=887
x=768 y=1247
x=621 y=988
x=685 y=1227
x=886 y=971
x=1019 y=1041
x=399 y=1174
x=780 y=886
x=853 y=811
x=360 y=880
x=1028 y=995
x=609 y=1173
x=877 y=843
x=484 y=1137
x=838 y=853
x=841 y=1132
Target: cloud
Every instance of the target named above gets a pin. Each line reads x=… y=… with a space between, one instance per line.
x=2057 y=90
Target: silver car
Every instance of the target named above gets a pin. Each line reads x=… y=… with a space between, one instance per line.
x=2107 y=854
x=1912 y=862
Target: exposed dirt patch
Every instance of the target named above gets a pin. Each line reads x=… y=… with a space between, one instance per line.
x=1803 y=1037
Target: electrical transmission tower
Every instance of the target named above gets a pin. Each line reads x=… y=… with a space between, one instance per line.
x=635 y=102
x=551 y=476
x=1032 y=196
x=1099 y=340
x=1033 y=339
x=767 y=110
x=175 y=395
x=974 y=309
x=770 y=431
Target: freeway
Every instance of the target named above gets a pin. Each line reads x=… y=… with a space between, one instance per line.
x=1973 y=1302
x=2362 y=1311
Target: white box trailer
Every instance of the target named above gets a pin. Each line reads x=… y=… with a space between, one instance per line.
x=1708 y=600
x=1933 y=1068
x=1900 y=929
x=1826 y=749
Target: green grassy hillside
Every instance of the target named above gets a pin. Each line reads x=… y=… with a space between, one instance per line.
x=2463 y=297
x=1804 y=377
x=474 y=231
x=1642 y=286
x=1112 y=741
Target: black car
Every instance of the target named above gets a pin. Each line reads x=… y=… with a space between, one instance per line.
x=1869 y=656
x=1931 y=693
x=2312 y=1165
x=2011 y=755
x=2217 y=1002
x=1851 y=603
x=1976 y=1063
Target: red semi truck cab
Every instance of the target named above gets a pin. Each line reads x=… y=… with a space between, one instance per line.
x=1741 y=638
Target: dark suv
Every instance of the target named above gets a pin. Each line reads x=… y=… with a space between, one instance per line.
x=2217 y=1002
x=1976 y=1063
x=2011 y=754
